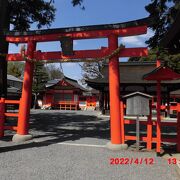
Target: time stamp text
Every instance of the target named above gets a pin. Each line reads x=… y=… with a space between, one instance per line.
x=139 y=161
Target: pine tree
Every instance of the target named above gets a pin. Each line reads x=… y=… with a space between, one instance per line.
x=164 y=13
x=20 y=14
x=163 y=55
x=16 y=69
x=54 y=72
x=39 y=80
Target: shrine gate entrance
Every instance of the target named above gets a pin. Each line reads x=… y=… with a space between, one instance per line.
x=66 y=35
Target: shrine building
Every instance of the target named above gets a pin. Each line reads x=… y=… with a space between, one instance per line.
x=67 y=94
x=131 y=78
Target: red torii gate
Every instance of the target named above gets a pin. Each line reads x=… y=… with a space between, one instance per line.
x=111 y=31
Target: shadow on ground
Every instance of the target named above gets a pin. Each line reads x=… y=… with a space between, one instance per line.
x=52 y=127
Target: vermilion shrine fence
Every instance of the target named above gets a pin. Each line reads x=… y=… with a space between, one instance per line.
x=151 y=122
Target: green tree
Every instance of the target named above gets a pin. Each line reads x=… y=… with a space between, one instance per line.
x=21 y=14
x=161 y=54
x=16 y=69
x=39 y=80
x=4 y=25
x=54 y=72
x=152 y=56
x=164 y=13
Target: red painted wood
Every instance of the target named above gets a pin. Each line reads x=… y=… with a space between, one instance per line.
x=122 y=122
x=158 y=109
x=79 y=35
x=97 y=53
x=154 y=140
x=154 y=123
x=11 y=114
x=48 y=99
x=90 y=101
x=164 y=73
x=2 y=117
x=142 y=138
x=24 y=109
x=178 y=131
x=12 y=128
x=114 y=90
x=149 y=130
x=130 y=121
x=158 y=63
x=12 y=101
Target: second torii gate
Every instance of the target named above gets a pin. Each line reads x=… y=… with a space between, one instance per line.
x=110 y=31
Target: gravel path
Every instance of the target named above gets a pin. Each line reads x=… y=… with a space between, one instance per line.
x=56 y=153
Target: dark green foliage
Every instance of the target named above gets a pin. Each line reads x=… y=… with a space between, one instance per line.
x=78 y=2
x=164 y=13
x=39 y=80
x=172 y=61
x=21 y=14
x=16 y=69
x=25 y=12
x=40 y=77
x=54 y=72
x=152 y=56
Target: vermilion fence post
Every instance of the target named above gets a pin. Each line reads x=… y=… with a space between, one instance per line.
x=122 y=121
x=158 y=126
x=158 y=108
x=149 y=128
x=2 y=116
x=178 y=131
x=158 y=63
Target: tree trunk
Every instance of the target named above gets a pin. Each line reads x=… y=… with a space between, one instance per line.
x=4 y=26
x=101 y=102
x=35 y=101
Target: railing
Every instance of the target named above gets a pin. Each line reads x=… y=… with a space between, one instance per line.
x=67 y=105
x=150 y=122
x=4 y=115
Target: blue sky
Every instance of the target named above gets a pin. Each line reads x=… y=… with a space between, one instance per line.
x=96 y=12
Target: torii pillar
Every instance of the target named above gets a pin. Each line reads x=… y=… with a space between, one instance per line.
x=25 y=102
x=114 y=90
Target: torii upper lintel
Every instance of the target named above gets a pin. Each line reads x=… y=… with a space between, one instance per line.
x=130 y=28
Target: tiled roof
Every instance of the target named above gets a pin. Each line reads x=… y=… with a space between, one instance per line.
x=67 y=79
x=13 y=78
x=13 y=90
x=131 y=73
x=131 y=78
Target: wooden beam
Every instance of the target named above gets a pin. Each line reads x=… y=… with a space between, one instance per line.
x=81 y=54
x=130 y=31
